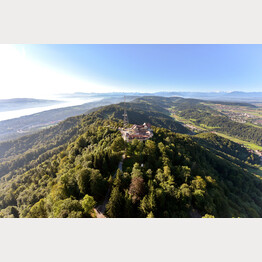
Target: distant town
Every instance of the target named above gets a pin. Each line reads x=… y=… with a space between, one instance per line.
x=249 y=115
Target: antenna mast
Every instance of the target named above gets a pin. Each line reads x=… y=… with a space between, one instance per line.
x=125 y=113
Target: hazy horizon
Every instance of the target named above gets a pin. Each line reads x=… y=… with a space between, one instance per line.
x=62 y=96
x=45 y=70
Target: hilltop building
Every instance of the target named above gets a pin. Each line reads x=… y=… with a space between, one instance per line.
x=140 y=132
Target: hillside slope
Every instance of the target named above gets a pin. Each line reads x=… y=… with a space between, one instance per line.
x=26 y=125
x=226 y=147
x=200 y=114
x=178 y=178
x=17 y=153
x=66 y=170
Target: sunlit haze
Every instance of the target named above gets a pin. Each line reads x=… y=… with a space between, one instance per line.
x=42 y=71
x=24 y=77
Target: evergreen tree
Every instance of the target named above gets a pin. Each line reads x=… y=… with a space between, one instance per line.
x=115 y=203
x=148 y=204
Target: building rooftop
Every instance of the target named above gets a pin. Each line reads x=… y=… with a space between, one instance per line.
x=140 y=132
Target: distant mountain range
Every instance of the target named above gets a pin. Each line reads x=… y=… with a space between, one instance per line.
x=237 y=96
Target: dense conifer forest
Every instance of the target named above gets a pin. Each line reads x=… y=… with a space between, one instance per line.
x=70 y=169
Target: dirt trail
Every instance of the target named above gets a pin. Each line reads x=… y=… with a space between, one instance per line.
x=101 y=209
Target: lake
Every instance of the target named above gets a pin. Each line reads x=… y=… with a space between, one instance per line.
x=29 y=111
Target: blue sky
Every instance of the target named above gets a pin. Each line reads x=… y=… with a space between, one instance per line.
x=148 y=68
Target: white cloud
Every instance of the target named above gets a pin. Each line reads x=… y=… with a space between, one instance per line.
x=21 y=77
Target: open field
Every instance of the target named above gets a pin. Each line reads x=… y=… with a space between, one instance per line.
x=189 y=123
x=242 y=114
x=205 y=128
x=245 y=143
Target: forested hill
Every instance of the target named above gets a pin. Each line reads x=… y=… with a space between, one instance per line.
x=139 y=113
x=166 y=102
x=66 y=170
x=196 y=111
x=25 y=125
x=178 y=178
x=32 y=149
x=226 y=148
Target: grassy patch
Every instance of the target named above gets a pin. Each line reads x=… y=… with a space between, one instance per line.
x=245 y=143
x=209 y=127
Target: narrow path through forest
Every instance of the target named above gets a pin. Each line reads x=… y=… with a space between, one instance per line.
x=101 y=209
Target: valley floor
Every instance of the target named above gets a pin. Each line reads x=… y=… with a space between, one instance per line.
x=197 y=129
